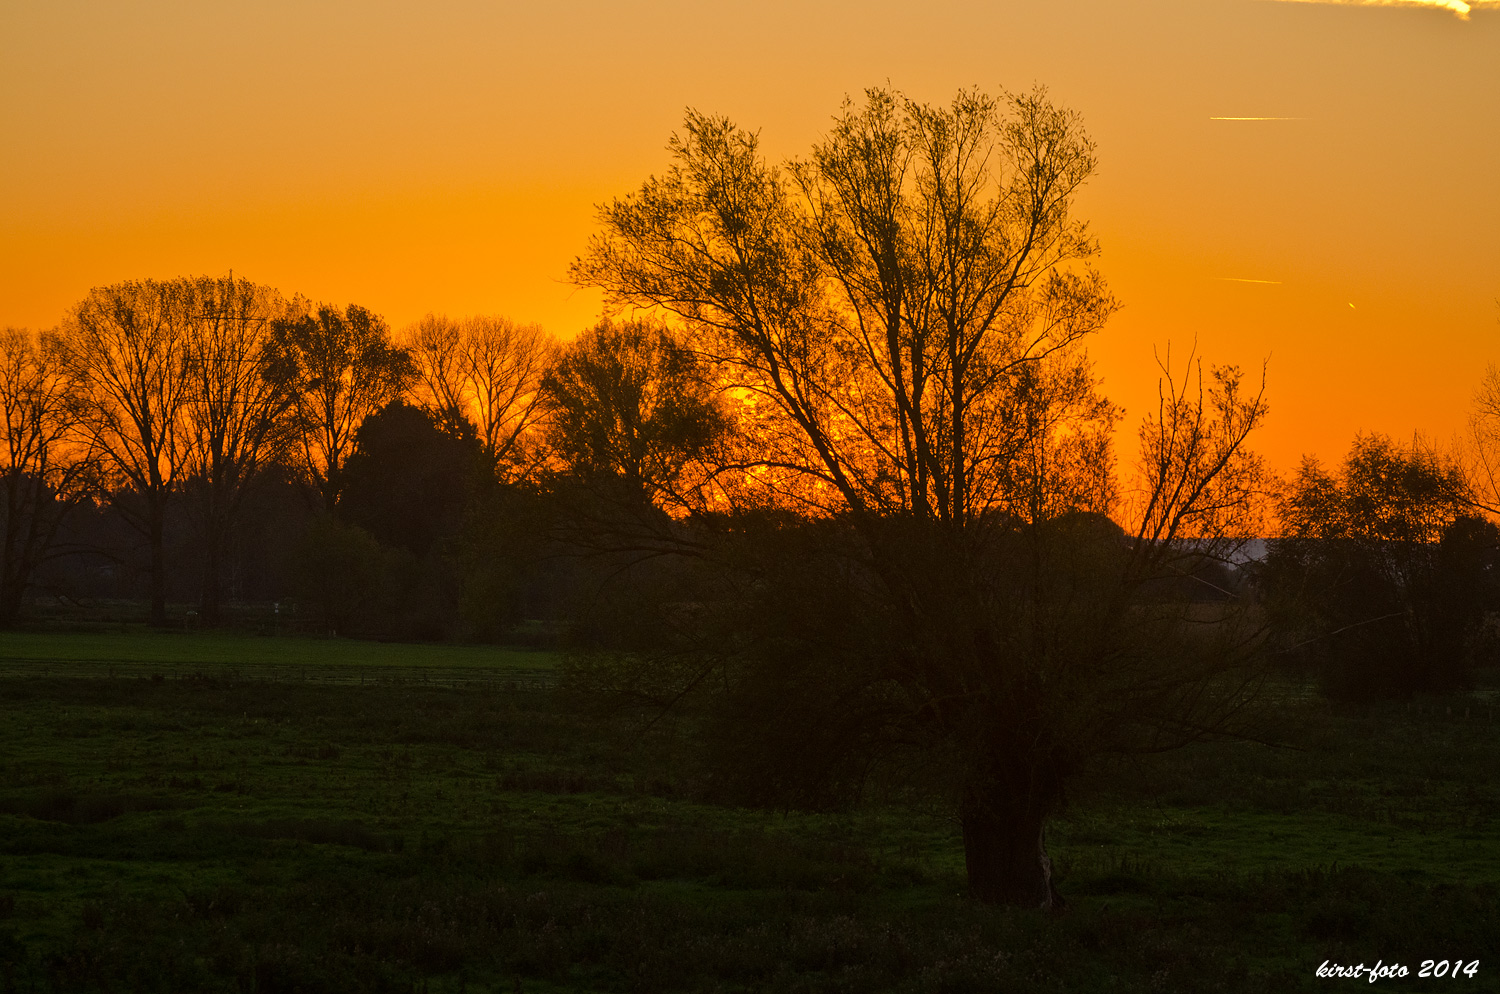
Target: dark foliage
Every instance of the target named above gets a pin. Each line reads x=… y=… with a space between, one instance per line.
x=628 y=410
x=348 y=576
x=1383 y=583
x=412 y=478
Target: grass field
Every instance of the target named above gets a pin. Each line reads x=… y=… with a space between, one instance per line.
x=237 y=656
x=201 y=812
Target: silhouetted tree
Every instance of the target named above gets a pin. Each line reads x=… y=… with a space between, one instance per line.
x=505 y=363
x=126 y=350
x=901 y=317
x=410 y=479
x=338 y=367
x=628 y=410
x=237 y=414
x=1382 y=578
x=439 y=383
x=45 y=471
x=630 y=419
x=489 y=370
x=1479 y=448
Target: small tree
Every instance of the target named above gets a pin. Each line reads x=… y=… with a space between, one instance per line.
x=1381 y=577
x=632 y=423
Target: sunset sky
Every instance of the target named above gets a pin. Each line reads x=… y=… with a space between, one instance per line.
x=1313 y=182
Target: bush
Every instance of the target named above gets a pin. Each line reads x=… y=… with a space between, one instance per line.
x=344 y=571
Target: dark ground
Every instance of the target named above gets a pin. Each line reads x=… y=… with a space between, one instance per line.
x=227 y=813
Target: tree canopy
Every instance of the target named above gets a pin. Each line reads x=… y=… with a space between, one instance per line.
x=904 y=307
x=627 y=408
x=411 y=478
x=338 y=367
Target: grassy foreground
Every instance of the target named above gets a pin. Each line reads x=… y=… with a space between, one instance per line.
x=203 y=812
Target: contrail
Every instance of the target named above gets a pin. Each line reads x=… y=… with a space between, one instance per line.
x=1257 y=119
x=1236 y=279
x=1460 y=8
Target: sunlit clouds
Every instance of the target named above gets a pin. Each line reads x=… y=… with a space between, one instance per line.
x=1459 y=8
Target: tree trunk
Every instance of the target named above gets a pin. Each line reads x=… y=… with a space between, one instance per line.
x=14 y=573
x=12 y=591
x=155 y=529
x=216 y=527
x=1004 y=850
x=208 y=607
x=13 y=577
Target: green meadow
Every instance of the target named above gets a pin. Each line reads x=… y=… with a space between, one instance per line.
x=206 y=812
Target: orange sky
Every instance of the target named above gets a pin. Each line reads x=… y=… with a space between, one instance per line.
x=446 y=156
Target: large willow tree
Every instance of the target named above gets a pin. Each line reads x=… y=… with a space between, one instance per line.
x=902 y=316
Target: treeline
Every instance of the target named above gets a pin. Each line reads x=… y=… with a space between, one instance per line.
x=207 y=440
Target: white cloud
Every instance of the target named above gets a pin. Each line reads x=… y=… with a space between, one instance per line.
x=1460 y=8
